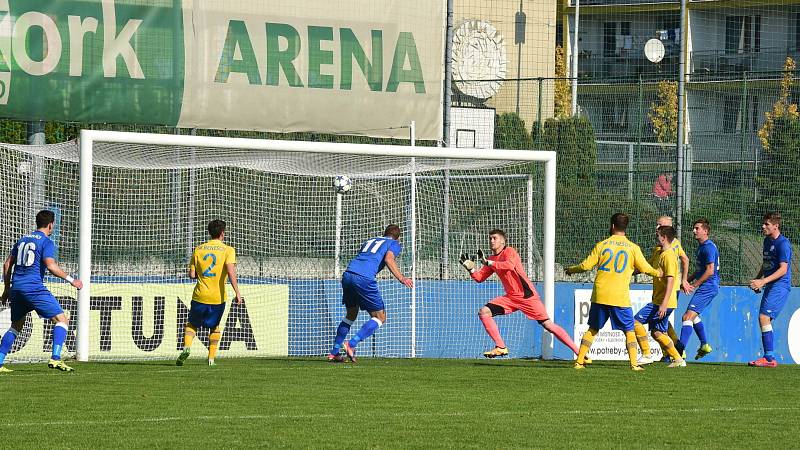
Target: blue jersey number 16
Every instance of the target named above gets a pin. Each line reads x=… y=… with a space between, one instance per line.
x=620 y=260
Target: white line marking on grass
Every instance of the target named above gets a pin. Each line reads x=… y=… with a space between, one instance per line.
x=263 y=417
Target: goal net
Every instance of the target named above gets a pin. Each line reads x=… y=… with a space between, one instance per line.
x=152 y=196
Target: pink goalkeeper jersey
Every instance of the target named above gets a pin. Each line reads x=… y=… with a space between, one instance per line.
x=508 y=267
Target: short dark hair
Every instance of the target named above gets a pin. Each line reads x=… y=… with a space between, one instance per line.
x=620 y=221
x=773 y=217
x=215 y=228
x=499 y=232
x=703 y=222
x=667 y=232
x=392 y=231
x=45 y=218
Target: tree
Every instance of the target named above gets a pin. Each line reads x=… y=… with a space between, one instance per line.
x=782 y=107
x=563 y=87
x=510 y=132
x=780 y=137
x=663 y=113
x=574 y=142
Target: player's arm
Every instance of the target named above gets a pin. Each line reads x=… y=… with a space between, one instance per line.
x=587 y=264
x=192 y=271
x=641 y=264
x=684 y=271
x=231 y=269
x=8 y=266
x=56 y=270
x=391 y=263
x=708 y=273
x=509 y=264
x=662 y=308
x=760 y=282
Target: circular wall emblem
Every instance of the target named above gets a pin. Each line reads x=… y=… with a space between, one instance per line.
x=479 y=59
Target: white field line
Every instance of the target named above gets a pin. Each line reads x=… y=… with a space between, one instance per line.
x=280 y=416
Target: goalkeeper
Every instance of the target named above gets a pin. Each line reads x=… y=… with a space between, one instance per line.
x=520 y=293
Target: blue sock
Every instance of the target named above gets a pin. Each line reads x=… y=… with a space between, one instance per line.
x=366 y=331
x=6 y=343
x=59 y=336
x=700 y=329
x=341 y=333
x=767 y=338
x=686 y=333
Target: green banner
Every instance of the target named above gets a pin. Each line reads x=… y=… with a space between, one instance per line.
x=91 y=61
x=361 y=66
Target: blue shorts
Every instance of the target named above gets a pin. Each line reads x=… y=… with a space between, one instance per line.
x=649 y=315
x=774 y=299
x=203 y=315
x=37 y=299
x=621 y=317
x=702 y=298
x=362 y=292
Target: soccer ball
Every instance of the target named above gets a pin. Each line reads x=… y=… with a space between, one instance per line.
x=342 y=184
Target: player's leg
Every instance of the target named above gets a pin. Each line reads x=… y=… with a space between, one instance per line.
x=645 y=315
x=211 y=320
x=47 y=307
x=190 y=330
x=772 y=303
x=20 y=307
x=341 y=333
x=350 y=300
x=534 y=309
x=598 y=316
x=701 y=300
x=669 y=348
x=7 y=342
x=371 y=301
x=687 y=327
x=622 y=319
x=496 y=307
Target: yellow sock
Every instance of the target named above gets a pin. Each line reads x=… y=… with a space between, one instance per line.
x=213 y=342
x=671 y=333
x=189 y=332
x=630 y=343
x=641 y=337
x=586 y=344
x=668 y=346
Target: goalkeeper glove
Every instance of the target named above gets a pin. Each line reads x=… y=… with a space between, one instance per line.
x=482 y=259
x=467 y=263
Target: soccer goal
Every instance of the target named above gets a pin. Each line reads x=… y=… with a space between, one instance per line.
x=130 y=208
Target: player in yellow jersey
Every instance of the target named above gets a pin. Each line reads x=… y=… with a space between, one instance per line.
x=665 y=300
x=683 y=284
x=212 y=264
x=615 y=258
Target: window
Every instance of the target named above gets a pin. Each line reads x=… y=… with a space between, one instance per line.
x=733 y=117
x=742 y=34
x=615 y=114
x=616 y=38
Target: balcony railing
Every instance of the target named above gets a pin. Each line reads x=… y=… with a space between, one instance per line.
x=722 y=61
x=620 y=2
x=624 y=67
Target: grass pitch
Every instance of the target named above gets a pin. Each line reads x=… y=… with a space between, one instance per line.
x=391 y=403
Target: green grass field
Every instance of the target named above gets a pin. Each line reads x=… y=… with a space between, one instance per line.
x=388 y=403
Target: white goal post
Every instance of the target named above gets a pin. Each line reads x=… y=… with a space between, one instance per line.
x=278 y=195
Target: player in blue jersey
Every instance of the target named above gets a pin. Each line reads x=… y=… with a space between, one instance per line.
x=775 y=279
x=360 y=290
x=704 y=283
x=23 y=275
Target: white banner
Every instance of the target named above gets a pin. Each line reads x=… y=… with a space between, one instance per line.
x=133 y=321
x=359 y=66
x=610 y=344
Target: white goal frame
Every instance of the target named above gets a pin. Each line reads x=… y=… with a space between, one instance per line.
x=89 y=137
